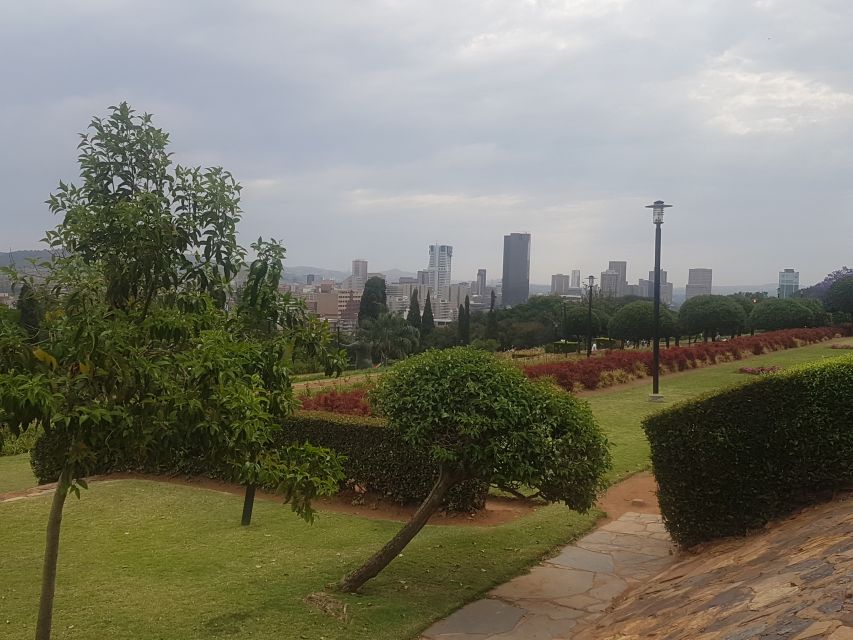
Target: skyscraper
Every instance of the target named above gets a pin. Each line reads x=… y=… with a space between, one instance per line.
x=620 y=267
x=789 y=283
x=481 y=282
x=359 y=276
x=560 y=284
x=576 y=278
x=698 y=283
x=440 y=256
x=610 y=283
x=515 y=286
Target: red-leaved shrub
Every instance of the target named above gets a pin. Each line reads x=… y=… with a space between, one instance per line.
x=351 y=402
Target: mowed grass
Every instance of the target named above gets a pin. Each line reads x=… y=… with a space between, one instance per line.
x=16 y=474
x=146 y=560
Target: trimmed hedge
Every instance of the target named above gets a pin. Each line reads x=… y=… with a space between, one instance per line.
x=730 y=462
x=376 y=459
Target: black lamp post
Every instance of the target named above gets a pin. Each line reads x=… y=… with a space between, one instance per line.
x=657 y=218
x=590 y=287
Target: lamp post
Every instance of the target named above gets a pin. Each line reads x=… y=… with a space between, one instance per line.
x=657 y=219
x=590 y=287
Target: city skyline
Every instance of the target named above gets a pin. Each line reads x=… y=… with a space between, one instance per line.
x=445 y=118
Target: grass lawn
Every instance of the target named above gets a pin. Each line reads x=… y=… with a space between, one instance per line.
x=16 y=474
x=149 y=561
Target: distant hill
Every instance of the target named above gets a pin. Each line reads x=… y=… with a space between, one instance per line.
x=298 y=274
x=22 y=258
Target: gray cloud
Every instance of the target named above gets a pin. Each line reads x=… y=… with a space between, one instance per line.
x=371 y=129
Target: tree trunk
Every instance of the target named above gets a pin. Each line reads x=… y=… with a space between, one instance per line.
x=248 y=503
x=382 y=558
x=51 y=557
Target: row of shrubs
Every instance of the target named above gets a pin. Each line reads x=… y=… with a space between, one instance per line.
x=377 y=460
x=730 y=462
x=614 y=367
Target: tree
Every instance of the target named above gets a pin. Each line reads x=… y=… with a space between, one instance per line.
x=576 y=321
x=821 y=289
x=480 y=418
x=389 y=336
x=139 y=354
x=748 y=299
x=427 y=321
x=29 y=310
x=635 y=321
x=710 y=315
x=839 y=297
x=491 y=332
x=414 y=316
x=780 y=313
x=466 y=322
x=373 y=300
x=460 y=325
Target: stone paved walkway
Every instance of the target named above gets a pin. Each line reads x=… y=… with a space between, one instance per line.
x=567 y=590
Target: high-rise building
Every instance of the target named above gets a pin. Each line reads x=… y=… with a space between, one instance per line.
x=440 y=256
x=620 y=267
x=610 y=283
x=309 y=279
x=481 y=282
x=698 y=283
x=423 y=277
x=789 y=283
x=359 y=276
x=560 y=284
x=515 y=285
x=576 y=278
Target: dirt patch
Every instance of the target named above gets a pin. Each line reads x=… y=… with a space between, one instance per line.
x=637 y=494
x=497 y=510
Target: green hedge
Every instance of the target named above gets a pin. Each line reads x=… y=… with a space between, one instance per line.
x=729 y=462
x=375 y=458
x=562 y=346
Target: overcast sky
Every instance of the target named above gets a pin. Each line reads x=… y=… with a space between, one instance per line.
x=369 y=129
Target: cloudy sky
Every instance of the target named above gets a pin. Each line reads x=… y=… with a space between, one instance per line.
x=371 y=128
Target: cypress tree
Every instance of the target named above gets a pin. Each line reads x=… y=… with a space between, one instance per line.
x=492 y=320
x=414 y=315
x=466 y=326
x=373 y=300
x=460 y=325
x=427 y=321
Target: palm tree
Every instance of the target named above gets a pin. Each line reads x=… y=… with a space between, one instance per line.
x=389 y=335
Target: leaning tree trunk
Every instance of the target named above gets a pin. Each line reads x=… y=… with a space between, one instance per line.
x=51 y=556
x=382 y=558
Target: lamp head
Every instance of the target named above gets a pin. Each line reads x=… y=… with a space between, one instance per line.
x=657 y=208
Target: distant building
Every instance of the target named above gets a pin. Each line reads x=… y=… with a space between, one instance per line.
x=515 y=285
x=610 y=283
x=576 y=278
x=440 y=257
x=309 y=279
x=620 y=267
x=789 y=283
x=633 y=290
x=359 y=276
x=698 y=283
x=646 y=288
x=560 y=284
x=423 y=277
x=481 y=282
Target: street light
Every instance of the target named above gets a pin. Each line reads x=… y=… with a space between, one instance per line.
x=590 y=286
x=657 y=219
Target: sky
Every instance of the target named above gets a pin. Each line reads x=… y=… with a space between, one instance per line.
x=371 y=129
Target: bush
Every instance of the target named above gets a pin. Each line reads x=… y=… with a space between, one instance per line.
x=562 y=346
x=376 y=458
x=594 y=373
x=728 y=463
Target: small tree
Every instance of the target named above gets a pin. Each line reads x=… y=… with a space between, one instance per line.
x=576 y=322
x=29 y=311
x=480 y=418
x=466 y=325
x=710 y=315
x=427 y=320
x=373 y=300
x=414 y=315
x=389 y=336
x=491 y=332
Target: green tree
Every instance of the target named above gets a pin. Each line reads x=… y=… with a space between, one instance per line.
x=635 y=321
x=576 y=322
x=748 y=299
x=710 y=315
x=427 y=320
x=466 y=322
x=414 y=315
x=373 y=300
x=389 y=336
x=491 y=331
x=139 y=354
x=29 y=311
x=780 y=313
x=839 y=297
x=480 y=418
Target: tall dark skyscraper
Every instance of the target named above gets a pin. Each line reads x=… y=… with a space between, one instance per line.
x=516 y=277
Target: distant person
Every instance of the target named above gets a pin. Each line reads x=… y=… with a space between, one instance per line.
x=594 y=346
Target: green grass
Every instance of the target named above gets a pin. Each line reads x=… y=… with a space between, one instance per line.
x=16 y=474
x=146 y=560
